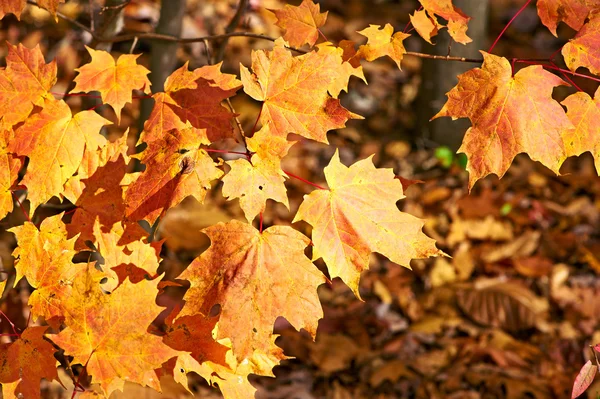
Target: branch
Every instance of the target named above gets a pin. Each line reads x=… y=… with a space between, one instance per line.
x=233 y=24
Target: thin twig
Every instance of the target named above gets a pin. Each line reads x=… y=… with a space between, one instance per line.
x=117 y=7
x=237 y=122
x=507 y=25
x=92 y=18
x=304 y=180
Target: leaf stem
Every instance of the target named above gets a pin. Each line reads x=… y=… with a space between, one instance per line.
x=261 y=223
x=555 y=68
x=304 y=180
x=11 y=324
x=21 y=206
x=508 y=24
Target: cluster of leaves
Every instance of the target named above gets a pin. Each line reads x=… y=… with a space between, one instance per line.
x=102 y=315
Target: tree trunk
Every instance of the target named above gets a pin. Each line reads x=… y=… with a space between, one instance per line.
x=440 y=76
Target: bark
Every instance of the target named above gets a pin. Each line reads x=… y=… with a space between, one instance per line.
x=440 y=77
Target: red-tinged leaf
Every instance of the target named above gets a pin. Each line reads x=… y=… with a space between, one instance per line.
x=383 y=42
x=255 y=277
x=26 y=361
x=358 y=215
x=584 y=113
x=457 y=20
x=114 y=80
x=54 y=140
x=295 y=91
x=9 y=172
x=571 y=12
x=108 y=332
x=12 y=7
x=25 y=82
x=406 y=183
x=509 y=115
x=597 y=348
x=175 y=168
x=301 y=23
x=584 y=379
x=584 y=49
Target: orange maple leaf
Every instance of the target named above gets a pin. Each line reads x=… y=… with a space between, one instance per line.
x=457 y=20
x=114 y=80
x=25 y=82
x=295 y=91
x=54 y=140
x=571 y=12
x=260 y=178
x=27 y=360
x=584 y=113
x=108 y=332
x=509 y=115
x=44 y=257
x=137 y=260
x=357 y=216
x=425 y=25
x=382 y=42
x=175 y=168
x=12 y=7
x=301 y=23
x=194 y=98
x=9 y=172
x=255 y=277
x=51 y=6
x=584 y=49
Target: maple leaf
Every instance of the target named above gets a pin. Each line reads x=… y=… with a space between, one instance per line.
x=571 y=12
x=301 y=23
x=584 y=379
x=294 y=91
x=26 y=361
x=584 y=49
x=350 y=65
x=382 y=42
x=108 y=332
x=584 y=113
x=44 y=258
x=358 y=215
x=54 y=140
x=193 y=99
x=254 y=181
x=426 y=26
x=136 y=260
x=255 y=277
x=509 y=115
x=9 y=172
x=175 y=169
x=25 y=82
x=51 y=6
x=457 y=20
x=114 y=80
x=12 y=7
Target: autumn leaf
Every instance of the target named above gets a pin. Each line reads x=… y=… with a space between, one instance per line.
x=584 y=113
x=260 y=178
x=9 y=172
x=571 y=12
x=54 y=140
x=457 y=20
x=255 y=277
x=509 y=115
x=382 y=42
x=294 y=91
x=584 y=49
x=25 y=82
x=175 y=168
x=584 y=379
x=425 y=25
x=51 y=6
x=357 y=216
x=12 y=7
x=301 y=23
x=193 y=98
x=44 y=257
x=114 y=80
x=27 y=360
x=136 y=260
x=350 y=65
x=108 y=332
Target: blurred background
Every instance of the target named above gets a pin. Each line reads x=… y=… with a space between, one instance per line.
x=510 y=315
